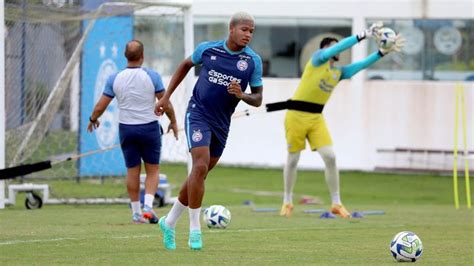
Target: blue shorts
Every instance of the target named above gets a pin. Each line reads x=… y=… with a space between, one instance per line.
x=140 y=142
x=199 y=132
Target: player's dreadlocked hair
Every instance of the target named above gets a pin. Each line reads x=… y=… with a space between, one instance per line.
x=327 y=41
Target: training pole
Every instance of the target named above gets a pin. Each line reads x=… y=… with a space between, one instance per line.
x=466 y=154
x=455 y=151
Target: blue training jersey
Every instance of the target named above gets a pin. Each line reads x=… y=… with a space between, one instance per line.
x=220 y=66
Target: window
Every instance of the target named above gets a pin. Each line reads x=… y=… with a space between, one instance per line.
x=435 y=50
x=163 y=39
x=285 y=44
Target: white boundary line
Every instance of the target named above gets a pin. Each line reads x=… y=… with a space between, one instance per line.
x=14 y=242
x=300 y=229
x=154 y=235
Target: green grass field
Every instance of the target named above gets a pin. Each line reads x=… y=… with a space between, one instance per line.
x=95 y=235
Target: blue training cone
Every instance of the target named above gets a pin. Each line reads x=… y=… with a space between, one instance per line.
x=327 y=215
x=248 y=202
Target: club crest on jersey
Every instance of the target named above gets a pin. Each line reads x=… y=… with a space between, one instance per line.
x=242 y=65
x=197 y=136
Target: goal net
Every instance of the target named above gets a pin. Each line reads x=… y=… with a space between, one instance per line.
x=58 y=55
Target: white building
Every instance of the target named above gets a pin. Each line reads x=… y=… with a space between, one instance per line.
x=412 y=108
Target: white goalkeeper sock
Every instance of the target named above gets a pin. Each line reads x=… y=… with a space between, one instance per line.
x=174 y=214
x=194 y=223
x=331 y=173
x=289 y=176
x=136 y=207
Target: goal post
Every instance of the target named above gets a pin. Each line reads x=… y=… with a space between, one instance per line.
x=43 y=108
x=2 y=101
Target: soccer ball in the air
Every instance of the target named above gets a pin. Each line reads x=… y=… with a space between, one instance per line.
x=406 y=246
x=386 y=38
x=216 y=216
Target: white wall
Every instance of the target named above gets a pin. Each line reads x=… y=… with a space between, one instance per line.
x=339 y=8
x=389 y=114
x=362 y=115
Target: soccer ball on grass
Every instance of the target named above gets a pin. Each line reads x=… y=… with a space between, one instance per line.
x=216 y=216
x=406 y=247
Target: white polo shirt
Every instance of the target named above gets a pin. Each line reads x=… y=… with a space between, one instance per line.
x=135 y=88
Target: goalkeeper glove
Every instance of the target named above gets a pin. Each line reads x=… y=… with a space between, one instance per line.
x=396 y=47
x=373 y=30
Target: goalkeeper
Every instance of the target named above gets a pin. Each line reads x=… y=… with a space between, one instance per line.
x=304 y=119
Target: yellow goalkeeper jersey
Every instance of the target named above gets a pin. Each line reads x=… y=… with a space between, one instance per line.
x=319 y=78
x=317 y=83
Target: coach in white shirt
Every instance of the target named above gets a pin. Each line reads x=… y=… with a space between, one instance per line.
x=140 y=134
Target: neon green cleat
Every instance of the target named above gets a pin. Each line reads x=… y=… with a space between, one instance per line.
x=195 y=241
x=168 y=234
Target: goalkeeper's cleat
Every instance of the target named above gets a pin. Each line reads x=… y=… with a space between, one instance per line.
x=286 y=209
x=339 y=209
x=138 y=219
x=168 y=234
x=150 y=215
x=195 y=241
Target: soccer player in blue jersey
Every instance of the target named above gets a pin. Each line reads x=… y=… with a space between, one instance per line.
x=136 y=90
x=305 y=121
x=228 y=67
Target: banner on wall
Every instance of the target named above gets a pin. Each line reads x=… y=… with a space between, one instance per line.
x=102 y=55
